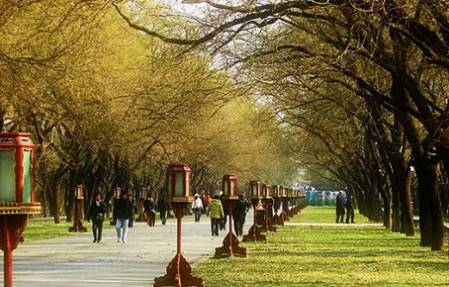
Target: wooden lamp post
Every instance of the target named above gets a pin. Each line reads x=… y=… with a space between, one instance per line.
x=77 y=222
x=179 y=192
x=17 y=193
x=231 y=242
x=254 y=233
x=277 y=193
x=268 y=206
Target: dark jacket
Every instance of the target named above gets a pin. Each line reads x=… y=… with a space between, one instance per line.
x=340 y=204
x=149 y=206
x=162 y=205
x=123 y=209
x=97 y=211
x=350 y=204
x=239 y=210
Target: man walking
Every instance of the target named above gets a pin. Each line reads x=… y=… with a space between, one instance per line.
x=239 y=214
x=122 y=213
x=197 y=208
x=340 y=207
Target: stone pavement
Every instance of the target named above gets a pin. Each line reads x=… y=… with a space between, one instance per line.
x=77 y=262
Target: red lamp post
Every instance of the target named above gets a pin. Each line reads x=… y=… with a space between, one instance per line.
x=17 y=193
x=230 y=242
x=77 y=222
x=268 y=207
x=179 y=272
x=254 y=233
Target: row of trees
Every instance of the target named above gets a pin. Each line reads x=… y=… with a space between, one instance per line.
x=109 y=106
x=359 y=87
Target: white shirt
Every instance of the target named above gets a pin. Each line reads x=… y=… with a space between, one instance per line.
x=198 y=203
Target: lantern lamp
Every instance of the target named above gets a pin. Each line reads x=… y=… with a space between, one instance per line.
x=282 y=191
x=17 y=193
x=179 y=178
x=178 y=183
x=289 y=192
x=230 y=187
x=276 y=191
x=254 y=189
x=17 y=169
x=79 y=192
x=266 y=191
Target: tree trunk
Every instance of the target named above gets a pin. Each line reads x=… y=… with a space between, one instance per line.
x=430 y=215
x=396 y=208
x=387 y=212
x=407 y=224
x=54 y=208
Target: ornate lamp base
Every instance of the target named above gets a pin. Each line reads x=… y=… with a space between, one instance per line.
x=179 y=274
x=254 y=234
x=230 y=247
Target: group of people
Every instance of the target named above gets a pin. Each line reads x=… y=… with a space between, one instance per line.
x=345 y=204
x=123 y=214
x=125 y=207
x=218 y=211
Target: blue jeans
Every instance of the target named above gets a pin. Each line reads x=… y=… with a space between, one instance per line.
x=121 y=225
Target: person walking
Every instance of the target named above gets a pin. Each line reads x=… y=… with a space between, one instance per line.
x=96 y=213
x=207 y=201
x=238 y=214
x=216 y=214
x=122 y=213
x=197 y=208
x=340 y=207
x=150 y=210
x=350 y=209
x=162 y=205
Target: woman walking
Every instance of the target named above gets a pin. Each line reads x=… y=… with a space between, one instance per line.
x=150 y=210
x=97 y=212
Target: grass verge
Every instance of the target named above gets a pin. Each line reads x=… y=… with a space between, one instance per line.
x=330 y=256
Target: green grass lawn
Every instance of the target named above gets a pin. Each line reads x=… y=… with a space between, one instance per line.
x=324 y=214
x=330 y=256
x=47 y=230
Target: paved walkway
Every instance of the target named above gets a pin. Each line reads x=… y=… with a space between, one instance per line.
x=76 y=261
x=325 y=224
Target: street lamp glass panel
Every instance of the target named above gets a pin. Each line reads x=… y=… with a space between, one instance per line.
x=188 y=183
x=179 y=189
x=226 y=191
x=232 y=191
x=27 y=176
x=7 y=175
